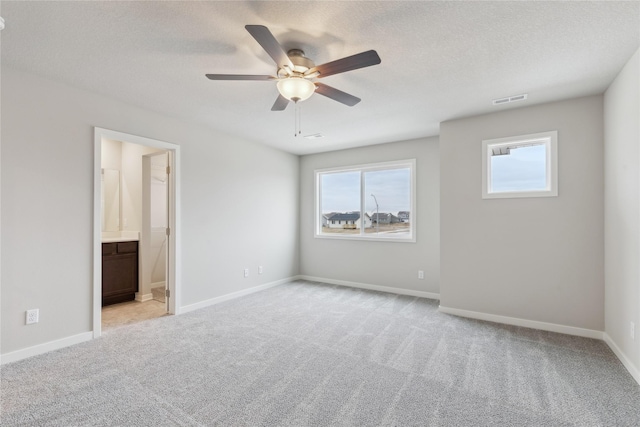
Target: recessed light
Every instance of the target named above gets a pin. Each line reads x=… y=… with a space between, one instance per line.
x=509 y=99
x=314 y=136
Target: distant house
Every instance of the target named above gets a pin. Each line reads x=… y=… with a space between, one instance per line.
x=384 y=218
x=403 y=216
x=348 y=220
x=326 y=217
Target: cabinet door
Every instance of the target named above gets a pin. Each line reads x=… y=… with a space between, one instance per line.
x=119 y=274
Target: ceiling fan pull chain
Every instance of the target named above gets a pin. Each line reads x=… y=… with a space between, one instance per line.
x=297 y=130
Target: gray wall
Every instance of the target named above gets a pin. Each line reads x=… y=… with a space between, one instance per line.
x=537 y=259
x=377 y=263
x=622 y=210
x=239 y=206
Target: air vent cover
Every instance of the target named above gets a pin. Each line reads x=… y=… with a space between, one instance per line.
x=509 y=99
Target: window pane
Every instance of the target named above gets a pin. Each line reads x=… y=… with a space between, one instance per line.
x=388 y=202
x=340 y=202
x=342 y=191
x=519 y=168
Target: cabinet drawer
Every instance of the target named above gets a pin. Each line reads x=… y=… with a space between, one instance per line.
x=127 y=247
x=109 y=248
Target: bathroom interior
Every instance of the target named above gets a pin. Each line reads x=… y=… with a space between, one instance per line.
x=134 y=188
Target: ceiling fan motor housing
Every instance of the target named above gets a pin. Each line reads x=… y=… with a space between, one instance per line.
x=300 y=62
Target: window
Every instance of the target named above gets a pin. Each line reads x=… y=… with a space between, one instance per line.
x=520 y=166
x=372 y=202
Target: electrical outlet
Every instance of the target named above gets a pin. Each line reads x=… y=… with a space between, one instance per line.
x=246 y=272
x=32 y=316
x=632 y=331
x=420 y=274
x=260 y=269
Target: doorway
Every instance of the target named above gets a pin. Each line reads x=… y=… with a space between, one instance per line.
x=148 y=168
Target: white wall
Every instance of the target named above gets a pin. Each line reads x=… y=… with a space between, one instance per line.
x=231 y=190
x=389 y=264
x=127 y=158
x=111 y=163
x=111 y=154
x=538 y=259
x=132 y=184
x=622 y=211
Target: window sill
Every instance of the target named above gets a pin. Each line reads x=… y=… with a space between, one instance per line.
x=390 y=238
x=519 y=194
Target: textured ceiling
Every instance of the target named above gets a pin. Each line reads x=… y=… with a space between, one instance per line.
x=440 y=60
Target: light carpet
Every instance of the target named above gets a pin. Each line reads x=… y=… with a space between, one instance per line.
x=311 y=354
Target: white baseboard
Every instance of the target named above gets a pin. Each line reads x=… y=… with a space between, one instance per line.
x=44 y=348
x=143 y=298
x=227 y=297
x=533 y=324
x=634 y=371
x=161 y=284
x=148 y=297
x=400 y=291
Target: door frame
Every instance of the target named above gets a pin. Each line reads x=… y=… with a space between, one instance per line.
x=174 y=261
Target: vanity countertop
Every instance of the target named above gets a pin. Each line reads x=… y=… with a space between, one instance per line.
x=118 y=239
x=120 y=236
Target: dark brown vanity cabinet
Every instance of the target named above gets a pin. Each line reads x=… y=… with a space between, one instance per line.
x=119 y=272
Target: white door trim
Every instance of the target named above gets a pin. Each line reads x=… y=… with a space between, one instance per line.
x=174 y=260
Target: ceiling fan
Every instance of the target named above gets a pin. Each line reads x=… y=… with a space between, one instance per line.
x=296 y=72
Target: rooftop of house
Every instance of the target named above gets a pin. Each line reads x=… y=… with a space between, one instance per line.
x=351 y=216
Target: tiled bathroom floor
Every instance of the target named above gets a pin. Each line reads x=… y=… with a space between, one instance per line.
x=131 y=312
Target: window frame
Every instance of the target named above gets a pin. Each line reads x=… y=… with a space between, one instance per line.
x=362 y=168
x=549 y=139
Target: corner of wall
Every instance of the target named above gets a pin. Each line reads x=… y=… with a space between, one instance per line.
x=633 y=370
x=622 y=214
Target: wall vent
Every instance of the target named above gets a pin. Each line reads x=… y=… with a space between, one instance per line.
x=509 y=99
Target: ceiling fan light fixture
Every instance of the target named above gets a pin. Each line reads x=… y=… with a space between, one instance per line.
x=296 y=88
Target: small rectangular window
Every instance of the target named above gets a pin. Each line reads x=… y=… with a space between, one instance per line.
x=520 y=166
x=374 y=201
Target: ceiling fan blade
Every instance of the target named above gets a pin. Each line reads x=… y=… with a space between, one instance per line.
x=270 y=45
x=353 y=62
x=238 y=77
x=337 y=95
x=280 y=104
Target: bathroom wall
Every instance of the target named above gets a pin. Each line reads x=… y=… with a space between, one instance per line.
x=111 y=154
x=127 y=158
x=158 y=220
x=132 y=184
x=110 y=186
